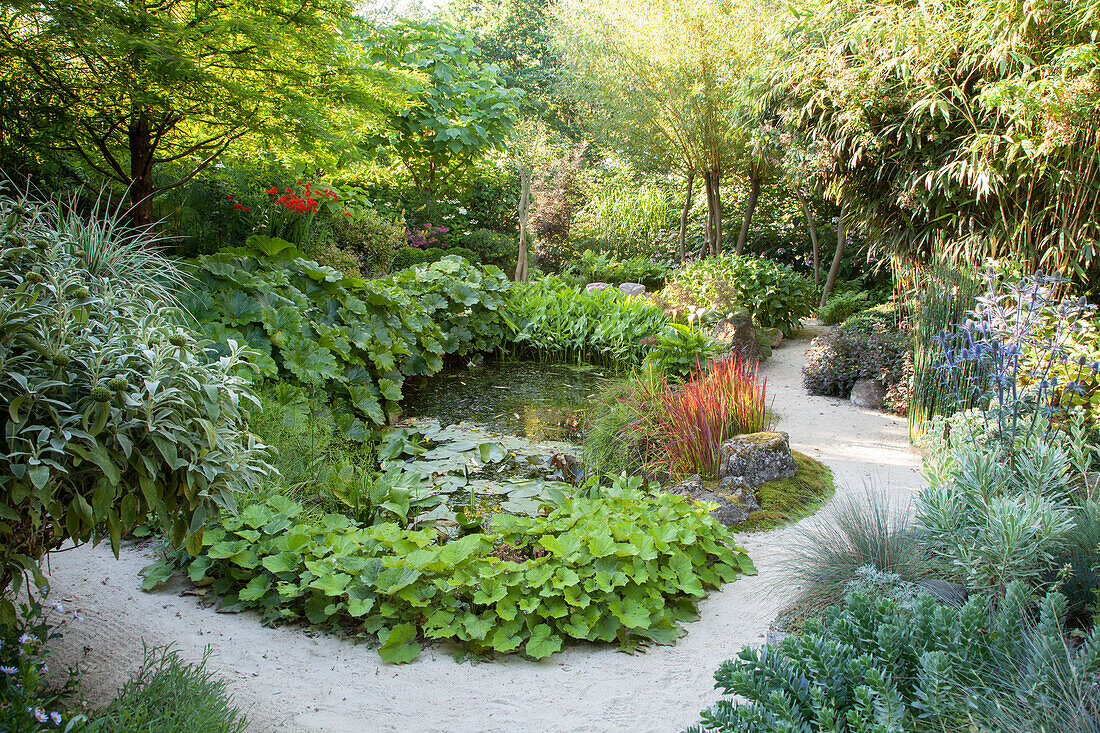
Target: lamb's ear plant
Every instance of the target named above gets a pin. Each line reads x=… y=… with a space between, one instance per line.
x=116 y=414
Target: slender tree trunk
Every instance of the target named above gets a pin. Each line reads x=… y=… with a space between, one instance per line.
x=708 y=244
x=841 y=242
x=684 y=214
x=524 y=211
x=750 y=207
x=717 y=213
x=812 y=227
x=141 y=172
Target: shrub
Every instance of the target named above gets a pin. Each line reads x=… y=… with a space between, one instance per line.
x=622 y=567
x=995 y=513
x=775 y=295
x=115 y=414
x=30 y=699
x=841 y=306
x=881 y=663
x=592 y=267
x=407 y=257
x=854 y=533
x=680 y=350
x=371 y=237
x=555 y=320
x=868 y=345
x=359 y=339
x=466 y=301
x=492 y=247
x=170 y=695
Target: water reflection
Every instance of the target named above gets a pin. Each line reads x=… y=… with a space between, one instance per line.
x=532 y=400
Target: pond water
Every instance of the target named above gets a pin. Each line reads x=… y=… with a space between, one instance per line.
x=528 y=399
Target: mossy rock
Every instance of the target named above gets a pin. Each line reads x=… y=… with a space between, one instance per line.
x=788 y=500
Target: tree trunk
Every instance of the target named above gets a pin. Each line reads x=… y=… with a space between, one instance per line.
x=141 y=172
x=717 y=213
x=841 y=242
x=524 y=210
x=708 y=239
x=750 y=207
x=812 y=227
x=684 y=214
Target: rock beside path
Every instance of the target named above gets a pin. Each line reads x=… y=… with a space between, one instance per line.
x=746 y=461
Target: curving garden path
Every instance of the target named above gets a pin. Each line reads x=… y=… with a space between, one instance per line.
x=290 y=679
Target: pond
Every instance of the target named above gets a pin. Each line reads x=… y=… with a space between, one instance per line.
x=533 y=400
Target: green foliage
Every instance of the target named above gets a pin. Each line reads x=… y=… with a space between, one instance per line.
x=462 y=109
x=466 y=301
x=123 y=90
x=996 y=514
x=372 y=238
x=622 y=567
x=170 y=695
x=116 y=416
x=359 y=339
x=680 y=350
x=555 y=320
x=31 y=700
x=592 y=267
x=406 y=257
x=841 y=306
x=884 y=663
x=775 y=295
x=492 y=247
x=932 y=162
x=944 y=300
x=871 y=344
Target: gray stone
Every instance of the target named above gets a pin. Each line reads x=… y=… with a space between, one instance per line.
x=633 y=288
x=596 y=287
x=729 y=511
x=753 y=459
x=739 y=335
x=691 y=486
x=869 y=394
x=734 y=506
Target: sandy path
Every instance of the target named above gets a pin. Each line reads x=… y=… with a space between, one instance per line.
x=290 y=679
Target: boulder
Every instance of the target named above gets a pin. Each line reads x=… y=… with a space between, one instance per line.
x=774 y=336
x=633 y=288
x=733 y=508
x=595 y=287
x=738 y=333
x=870 y=394
x=746 y=461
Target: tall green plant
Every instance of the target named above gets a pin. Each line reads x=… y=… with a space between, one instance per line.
x=116 y=415
x=945 y=297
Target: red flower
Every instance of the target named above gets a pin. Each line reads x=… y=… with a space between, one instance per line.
x=229 y=197
x=347 y=213
x=240 y=207
x=273 y=190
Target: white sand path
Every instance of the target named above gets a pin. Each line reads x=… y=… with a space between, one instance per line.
x=291 y=679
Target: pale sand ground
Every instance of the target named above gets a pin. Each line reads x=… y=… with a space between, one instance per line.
x=290 y=679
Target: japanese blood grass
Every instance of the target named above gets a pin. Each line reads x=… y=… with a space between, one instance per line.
x=621 y=567
x=724 y=399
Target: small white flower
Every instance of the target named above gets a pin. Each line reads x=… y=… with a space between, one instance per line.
x=55 y=717
x=40 y=715
x=461 y=210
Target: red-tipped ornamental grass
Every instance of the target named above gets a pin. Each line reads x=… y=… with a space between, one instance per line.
x=691 y=421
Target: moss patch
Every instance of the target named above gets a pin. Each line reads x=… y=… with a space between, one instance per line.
x=788 y=500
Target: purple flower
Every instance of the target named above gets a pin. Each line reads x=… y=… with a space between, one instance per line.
x=9 y=670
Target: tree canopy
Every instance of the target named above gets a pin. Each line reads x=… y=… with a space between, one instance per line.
x=121 y=89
